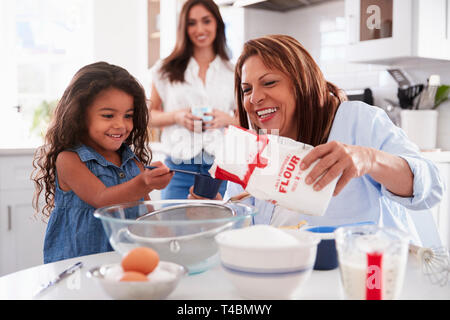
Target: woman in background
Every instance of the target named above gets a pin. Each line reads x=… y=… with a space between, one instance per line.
x=196 y=75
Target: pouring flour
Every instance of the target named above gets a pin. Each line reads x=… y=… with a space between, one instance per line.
x=268 y=167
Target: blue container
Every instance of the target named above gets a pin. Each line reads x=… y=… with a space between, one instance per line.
x=206 y=186
x=326 y=257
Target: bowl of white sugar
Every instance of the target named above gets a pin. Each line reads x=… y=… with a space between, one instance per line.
x=264 y=262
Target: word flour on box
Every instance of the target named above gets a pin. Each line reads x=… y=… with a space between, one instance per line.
x=268 y=167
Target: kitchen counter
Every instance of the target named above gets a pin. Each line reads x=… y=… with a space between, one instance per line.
x=16 y=152
x=437 y=156
x=322 y=285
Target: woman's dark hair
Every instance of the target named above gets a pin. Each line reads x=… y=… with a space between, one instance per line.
x=317 y=100
x=68 y=125
x=176 y=63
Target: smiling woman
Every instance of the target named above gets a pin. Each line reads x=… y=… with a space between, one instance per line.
x=267 y=98
x=192 y=94
x=268 y=71
x=380 y=173
x=201 y=27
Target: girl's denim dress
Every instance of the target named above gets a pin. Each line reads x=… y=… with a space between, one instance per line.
x=72 y=229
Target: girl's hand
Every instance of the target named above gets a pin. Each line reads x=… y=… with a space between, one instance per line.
x=337 y=159
x=185 y=118
x=193 y=196
x=220 y=119
x=157 y=178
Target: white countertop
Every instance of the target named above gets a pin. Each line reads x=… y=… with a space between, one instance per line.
x=16 y=151
x=322 y=285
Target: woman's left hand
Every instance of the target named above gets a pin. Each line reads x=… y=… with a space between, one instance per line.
x=220 y=119
x=337 y=159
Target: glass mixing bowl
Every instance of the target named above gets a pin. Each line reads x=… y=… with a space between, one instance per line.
x=181 y=231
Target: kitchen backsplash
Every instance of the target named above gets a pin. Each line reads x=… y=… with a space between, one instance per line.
x=322 y=31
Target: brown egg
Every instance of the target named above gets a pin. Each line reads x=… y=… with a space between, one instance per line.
x=141 y=259
x=133 y=276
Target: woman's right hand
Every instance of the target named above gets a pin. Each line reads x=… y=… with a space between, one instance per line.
x=185 y=118
x=193 y=196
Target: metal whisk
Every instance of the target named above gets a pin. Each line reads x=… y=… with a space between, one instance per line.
x=435 y=263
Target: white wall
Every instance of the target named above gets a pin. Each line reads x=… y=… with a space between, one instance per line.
x=8 y=80
x=120 y=34
x=321 y=30
x=261 y=22
x=233 y=18
x=168 y=24
x=13 y=130
x=421 y=72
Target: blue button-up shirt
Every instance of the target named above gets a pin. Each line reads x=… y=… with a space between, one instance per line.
x=364 y=199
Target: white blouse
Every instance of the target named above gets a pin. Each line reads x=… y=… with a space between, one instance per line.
x=216 y=93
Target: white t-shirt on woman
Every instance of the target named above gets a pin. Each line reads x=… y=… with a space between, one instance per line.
x=217 y=93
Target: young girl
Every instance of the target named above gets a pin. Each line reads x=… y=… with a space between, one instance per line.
x=94 y=156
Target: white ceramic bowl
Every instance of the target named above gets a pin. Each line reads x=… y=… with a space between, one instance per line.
x=161 y=282
x=270 y=267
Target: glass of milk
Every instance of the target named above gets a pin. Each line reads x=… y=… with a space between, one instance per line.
x=200 y=111
x=372 y=261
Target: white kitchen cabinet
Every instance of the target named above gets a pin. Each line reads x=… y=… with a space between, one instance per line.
x=441 y=212
x=21 y=234
x=397 y=31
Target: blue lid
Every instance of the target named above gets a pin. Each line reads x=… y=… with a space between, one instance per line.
x=322 y=229
x=330 y=229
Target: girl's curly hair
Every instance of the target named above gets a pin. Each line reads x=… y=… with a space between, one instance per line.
x=68 y=124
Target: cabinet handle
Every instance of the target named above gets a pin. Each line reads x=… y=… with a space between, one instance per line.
x=446 y=19
x=9 y=218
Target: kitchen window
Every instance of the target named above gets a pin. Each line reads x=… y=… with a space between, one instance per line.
x=44 y=42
